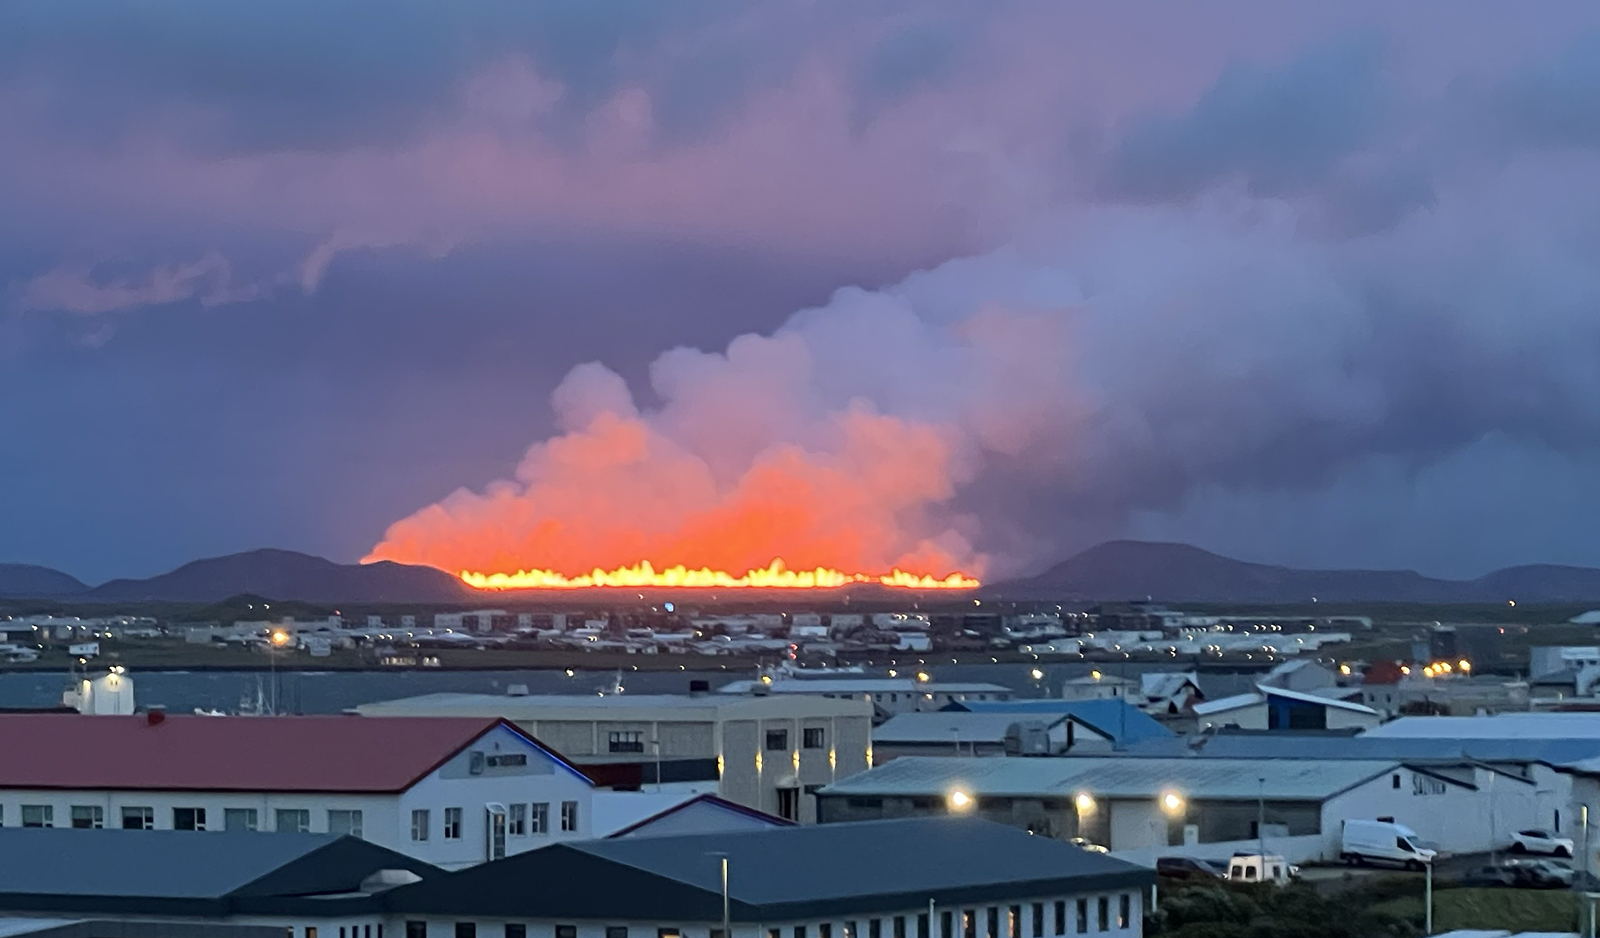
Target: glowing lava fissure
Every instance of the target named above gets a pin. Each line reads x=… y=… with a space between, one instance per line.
x=773 y=576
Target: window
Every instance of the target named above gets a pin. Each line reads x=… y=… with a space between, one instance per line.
x=38 y=815
x=87 y=816
x=969 y=923
x=1124 y=910
x=517 y=820
x=341 y=821
x=474 y=763
x=1103 y=910
x=923 y=925
x=539 y=817
x=466 y=930
x=774 y=933
x=311 y=931
x=777 y=740
x=566 y=931
x=849 y=930
x=138 y=819
x=669 y=933
x=569 y=816
x=625 y=741
x=1083 y=916
x=239 y=819
x=814 y=737
x=1061 y=917
x=799 y=931
x=899 y=926
x=516 y=930
x=1394 y=780
x=291 y=820
x=504 y=759
x=875 y=928
x=1038 y=920
x=1014 y=921
x=188 y=819
x=452 y=823
x=825 y=930
x=419 y=824
x=992 y=922
x=616 y=931
x=947 y=925
x=416 y=929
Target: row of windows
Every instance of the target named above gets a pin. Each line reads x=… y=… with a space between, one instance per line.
x=1019 y=921
x=811 y=737
x=521 y=819
x=294 y=820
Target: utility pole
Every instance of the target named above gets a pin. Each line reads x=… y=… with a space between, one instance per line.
x=727 y=933
x=1261 y=823
x=1427 y=926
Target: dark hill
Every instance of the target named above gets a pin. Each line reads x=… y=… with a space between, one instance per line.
x=1136 y=570
x=287 y=575
x=25 y=579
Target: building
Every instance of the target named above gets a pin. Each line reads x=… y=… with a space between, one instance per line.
x=452 y=792
x=920 y=878
x=1035 y=727
x=697 y=814
x=888 y=696
x=1097 y=685
x=1275 y=708
x=288 y=881
x=1142 y=808
x=770 y=753
x=944 y=877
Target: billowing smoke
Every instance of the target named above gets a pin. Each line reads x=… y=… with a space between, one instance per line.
x=980 y=415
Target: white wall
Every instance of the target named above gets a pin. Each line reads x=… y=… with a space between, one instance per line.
x=1455 y=818
x=1249 y=717
x=1340 y=719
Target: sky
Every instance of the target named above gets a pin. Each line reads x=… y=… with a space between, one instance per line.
x=945 y=285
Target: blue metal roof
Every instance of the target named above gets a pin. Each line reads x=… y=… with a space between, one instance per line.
x=1116 y=718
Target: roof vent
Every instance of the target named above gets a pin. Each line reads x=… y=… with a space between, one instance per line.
x=381 y=880
x=516 y=690
x=155 y=716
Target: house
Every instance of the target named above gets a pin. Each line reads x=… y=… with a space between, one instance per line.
x=451 y=792
x=694 y=814
x=1299 y=674
x=1097 y=685
x=769 y=753
x=1275 y=708
x=945 y=877
x=1166 y=693
x=1143 y=807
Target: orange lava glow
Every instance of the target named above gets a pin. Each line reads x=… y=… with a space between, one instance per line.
x=773 y=576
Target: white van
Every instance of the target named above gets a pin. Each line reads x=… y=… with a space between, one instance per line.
x=1255 y=868
x=1385 y=841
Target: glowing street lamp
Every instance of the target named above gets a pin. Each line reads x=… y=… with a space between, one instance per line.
x=960 y=801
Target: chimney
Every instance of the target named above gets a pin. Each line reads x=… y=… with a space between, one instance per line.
x=699 y=688
x=155 y=716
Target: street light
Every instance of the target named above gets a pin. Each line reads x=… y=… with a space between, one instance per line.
x=726 y=933
x=960 y=800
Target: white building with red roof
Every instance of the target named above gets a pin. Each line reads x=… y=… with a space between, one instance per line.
x=450 y=791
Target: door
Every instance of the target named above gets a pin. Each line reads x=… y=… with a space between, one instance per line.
x=495 y=831
x=789 y=804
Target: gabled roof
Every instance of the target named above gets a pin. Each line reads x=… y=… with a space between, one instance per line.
x=1224 y=704
x=111 y=870
x=1116 y=718
x=777 y=874
x=698 y=802
x=1317 y=699
x=195 y=753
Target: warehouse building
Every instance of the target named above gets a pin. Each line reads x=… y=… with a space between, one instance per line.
x=770 y=753
x=1144 y=807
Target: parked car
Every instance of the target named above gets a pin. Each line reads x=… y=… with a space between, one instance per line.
x=1491 y=876
x=1363 y=841
x=1190 y=868
x=1541 y=874
x=1084 y=843
x=1536 y=840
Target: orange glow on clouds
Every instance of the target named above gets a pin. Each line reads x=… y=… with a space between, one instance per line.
x=773 y=576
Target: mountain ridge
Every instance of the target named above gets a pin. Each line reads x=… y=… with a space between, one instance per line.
x=287 y=575
x=1164 y=571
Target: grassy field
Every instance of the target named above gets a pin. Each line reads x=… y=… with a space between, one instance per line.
x=1513 y=909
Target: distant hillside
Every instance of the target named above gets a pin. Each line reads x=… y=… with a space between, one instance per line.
x=285 y=574
x=25 y=579
x=1135 y=570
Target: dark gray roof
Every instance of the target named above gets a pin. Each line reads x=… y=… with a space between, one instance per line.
x=137 y=872
x=1270 y=745
x=874 y=866
x=102 y=928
